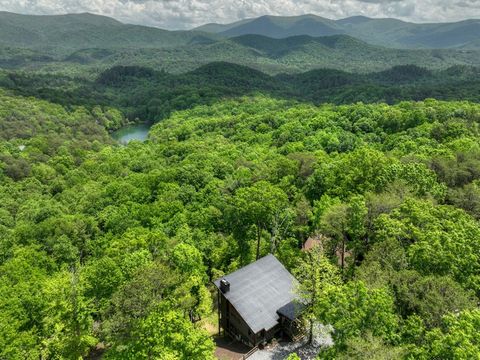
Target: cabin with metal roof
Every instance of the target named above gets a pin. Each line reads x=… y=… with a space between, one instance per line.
x=256 y=302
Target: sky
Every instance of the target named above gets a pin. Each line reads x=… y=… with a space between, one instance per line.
x=186 y=14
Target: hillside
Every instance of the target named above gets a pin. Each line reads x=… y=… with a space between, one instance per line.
x=86 y=44
x=143 y=93
x=385 y=32
x=63 y=42
x=273 y=56
x=61 y=33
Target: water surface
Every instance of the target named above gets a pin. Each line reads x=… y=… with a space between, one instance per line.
x=129 y=133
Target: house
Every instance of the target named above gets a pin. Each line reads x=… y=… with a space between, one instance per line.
x=257 y=302
x=312 y=242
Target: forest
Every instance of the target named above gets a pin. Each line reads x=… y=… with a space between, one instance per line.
x=144 y=94
x=108 y=248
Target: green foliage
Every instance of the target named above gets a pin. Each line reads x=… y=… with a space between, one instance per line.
x=370 y=347
x=117 y=244
x=439 y=240
x=164 y=334
x=457 y=338
x=26 y=118
x=148 y=95
x=355 y=310
x=317 y=278
x=67 y=322
x=292 y=357
x=262 y=205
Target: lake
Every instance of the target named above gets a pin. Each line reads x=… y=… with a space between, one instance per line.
x=129 y=133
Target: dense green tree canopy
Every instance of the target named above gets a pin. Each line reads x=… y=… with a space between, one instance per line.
x=112 y=248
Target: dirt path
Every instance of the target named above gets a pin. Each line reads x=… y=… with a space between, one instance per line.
x=228 y=349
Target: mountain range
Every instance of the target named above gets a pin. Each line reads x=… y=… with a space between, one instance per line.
x=273 y=56
x=63 y=33
x=88 y=44
x=384 y=32
x=77 y=31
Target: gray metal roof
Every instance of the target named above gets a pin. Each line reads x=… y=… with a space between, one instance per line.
x=291 y=310
x=258 y=290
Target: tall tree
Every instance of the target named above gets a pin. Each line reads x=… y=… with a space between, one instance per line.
x=316 y=276
x=345 y=224
x=260 y=205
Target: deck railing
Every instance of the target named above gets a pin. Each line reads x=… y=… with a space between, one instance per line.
x=299 y=337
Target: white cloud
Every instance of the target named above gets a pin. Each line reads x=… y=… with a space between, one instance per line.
x=181 y=14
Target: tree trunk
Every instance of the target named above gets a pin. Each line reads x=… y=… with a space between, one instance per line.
x=310 y=334
x=273 y=240
x=259 y=233
x=343 y=253
x=313 y=298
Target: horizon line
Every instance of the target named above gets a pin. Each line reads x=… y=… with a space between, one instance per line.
x=240 y=20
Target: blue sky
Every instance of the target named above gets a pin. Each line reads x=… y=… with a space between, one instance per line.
x=184 y=14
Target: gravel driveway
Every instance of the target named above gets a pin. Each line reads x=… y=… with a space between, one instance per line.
x=282 y=350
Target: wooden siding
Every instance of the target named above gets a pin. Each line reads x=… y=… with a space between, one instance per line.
x=233 y=325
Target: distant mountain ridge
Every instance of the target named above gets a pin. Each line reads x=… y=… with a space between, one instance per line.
x=385 y=32
x=80 y=31
x=93 y=43
x=70 y=32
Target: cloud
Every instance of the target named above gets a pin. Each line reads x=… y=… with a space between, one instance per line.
x=380 y=1
x=183 y=14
